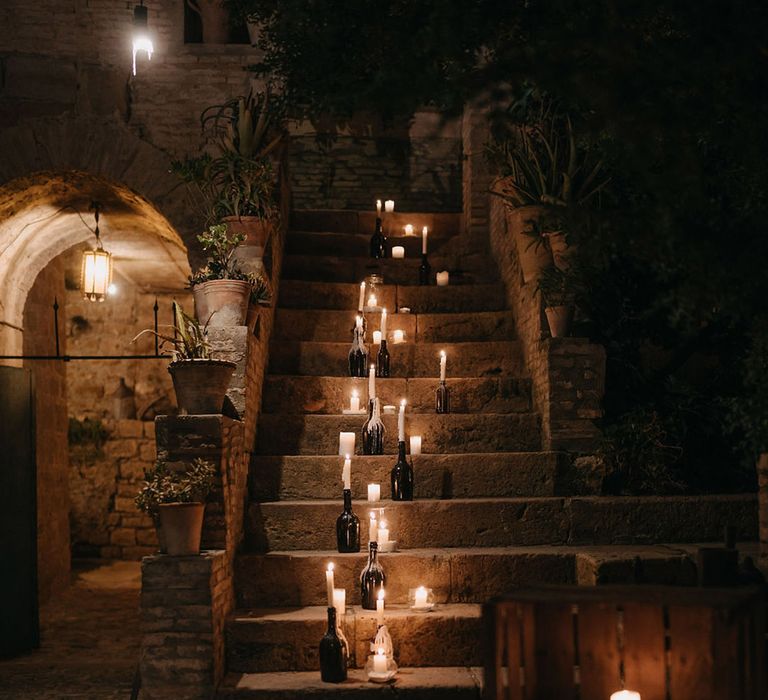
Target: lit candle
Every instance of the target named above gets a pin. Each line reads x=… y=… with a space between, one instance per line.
x=362 y=296
x=415 y=445
x=443 y=360
x=401 y=422
x=399 y=336
x=346 y=472
x=424 y=234
x=372 y=383
x=372 y=301
x=346 y=444
x=373 y=528
x=420 y=600
x=442 y=278
x=398 y=252
x=382 y=534
x=377 y=337
x=384 y=323
x=378 y=207
x=354 y=401
x=389 y=206
x=359 y=323
x=380 y=661
x=374 y=492
x=625 y=695
x=329 y=583
x=380 y=608
x=340 y=601
x=408 y=228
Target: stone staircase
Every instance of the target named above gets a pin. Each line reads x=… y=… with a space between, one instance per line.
x=489 y=513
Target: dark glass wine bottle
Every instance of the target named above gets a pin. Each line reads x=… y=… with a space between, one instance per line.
x=442 y=399
x=425 y=271
x=373 y=429
x=333 y=664
x=358 y=355
x=348 y=527
x=382 y=360
x=401 y=476
x=372 y=578
x=378 y=241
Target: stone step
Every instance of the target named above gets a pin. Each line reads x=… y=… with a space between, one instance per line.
x=336 y=326
x=285 y=434
x=356 y=244
x=298 y=294
x=331 y=395
x=468 y=359
x=287 y=639
x=440 y=224
x=503 y=522
x=464 y=268
x=502 y=475
x=436 y=683
x=458 y=575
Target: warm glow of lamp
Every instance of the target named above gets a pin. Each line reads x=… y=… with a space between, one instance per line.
x=140 y=39
x=96 y=273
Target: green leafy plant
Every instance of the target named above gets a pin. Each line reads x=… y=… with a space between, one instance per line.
x=164 y=485
x=221 y=263
x=260 y=292
x=87 y=432
x=189 y=340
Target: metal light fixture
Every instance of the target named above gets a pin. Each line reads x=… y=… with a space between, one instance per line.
x=96 y=275
x=141 y=40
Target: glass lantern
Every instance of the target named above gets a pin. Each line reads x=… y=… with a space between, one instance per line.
x=373 y=284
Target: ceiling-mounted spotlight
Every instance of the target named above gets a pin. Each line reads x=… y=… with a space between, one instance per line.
x=141 y=40
x=96 y=275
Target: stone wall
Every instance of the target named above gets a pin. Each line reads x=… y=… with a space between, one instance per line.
x=51 y=431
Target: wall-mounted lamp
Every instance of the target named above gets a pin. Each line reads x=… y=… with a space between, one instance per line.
x=141 y=40
x=96 y=275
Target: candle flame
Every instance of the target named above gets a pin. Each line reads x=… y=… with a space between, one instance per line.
x=330 y=566
x=380 y=651
x=383 y=525
x=442 y=353
x=355 y=394
x=373 y=515
x=346 y=457
x=381 y=594
x=362 y=284
x=402 y=403
x=421 y=590
x=424 y=230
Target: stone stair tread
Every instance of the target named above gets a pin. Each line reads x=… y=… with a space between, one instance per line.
x=355 y=244
x=308 y=613
x=363 y=221
x=417 y=683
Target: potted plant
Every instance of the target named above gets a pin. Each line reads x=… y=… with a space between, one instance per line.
x=176 y=500
x=221 y=289
x=200 y=381
x=558 y=298
x=261 y=296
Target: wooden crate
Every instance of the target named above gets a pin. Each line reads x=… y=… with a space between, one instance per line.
x=571 y=643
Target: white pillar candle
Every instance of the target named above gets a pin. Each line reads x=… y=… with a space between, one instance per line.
x=415 y=445
x=398 y=252
x=346 y=444
x=340 y=601
x=401 y=422
x=377 y=337
x=382 y=534
x=443 y=360
x=380 y=608
x=378 y=206
x=625 y=695
x=399 y=336
x=420 y=600
x=329 y=583
x=424 y=234
x=372 y=382
x=361 y=301
x=373 y=528
x=346 y=472
x=389 y=206
x=380 y=661
x=443 y=278
x=408 y=228
x=374 y=492
x=354 y=401
x=384 y=323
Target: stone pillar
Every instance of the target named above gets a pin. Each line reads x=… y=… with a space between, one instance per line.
x=762 y=506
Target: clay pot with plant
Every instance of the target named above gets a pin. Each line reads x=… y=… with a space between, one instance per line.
x=175 y=498
x=557 y=290
x=199 y=381
x=261 y=296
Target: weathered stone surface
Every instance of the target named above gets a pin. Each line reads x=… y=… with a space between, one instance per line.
x=349 y=221
x=351 y=245
x=445 y=433
x=465 y=475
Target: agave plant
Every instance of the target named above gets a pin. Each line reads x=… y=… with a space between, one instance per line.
x=189 y=340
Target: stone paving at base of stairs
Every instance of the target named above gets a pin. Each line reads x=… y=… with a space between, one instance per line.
x=90 y=638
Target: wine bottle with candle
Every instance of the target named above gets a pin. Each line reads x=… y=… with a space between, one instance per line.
x=358 y=353
x=382 y=360
x=442 y=399
x=373 y=429
x=333 y=664
x=401 y=476
x=425 y=271
x=348 y=527
x=378 y=241
x=372 y=578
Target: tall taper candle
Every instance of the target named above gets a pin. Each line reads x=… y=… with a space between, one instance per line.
x=372 y=383
x=380 y=609
x=346 y=472
x=361 y=302
x=378 y=207
x=373 y=528
x=443 y=360
x=424 y=234
x=329 y=583
x=401 y=422
x=384 y=324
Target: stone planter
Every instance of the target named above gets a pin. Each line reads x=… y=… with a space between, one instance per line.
x=215 y=20
x=534 y=256
x=201 y=385
x=560 y=319
x=222 y=303
x=182 y=524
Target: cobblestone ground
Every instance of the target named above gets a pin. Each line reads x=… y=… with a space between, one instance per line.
x=89 y=640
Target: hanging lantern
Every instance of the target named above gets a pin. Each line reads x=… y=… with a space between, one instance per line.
x=141 y=40
x=96 y=275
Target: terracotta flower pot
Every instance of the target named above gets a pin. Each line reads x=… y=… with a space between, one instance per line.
x=182 y=524
x=215 y=19
x=559 y=319
x=534 y=256
x=222 y=303
x=257 y=231
x=201 y=385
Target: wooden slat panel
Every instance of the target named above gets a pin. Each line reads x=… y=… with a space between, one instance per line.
x=554 y=651
x=528 y=620
x=514 y=654
x=598 y=652
x=691 y=663
x=644 y=655
x=729 y=655
x=494 y=620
